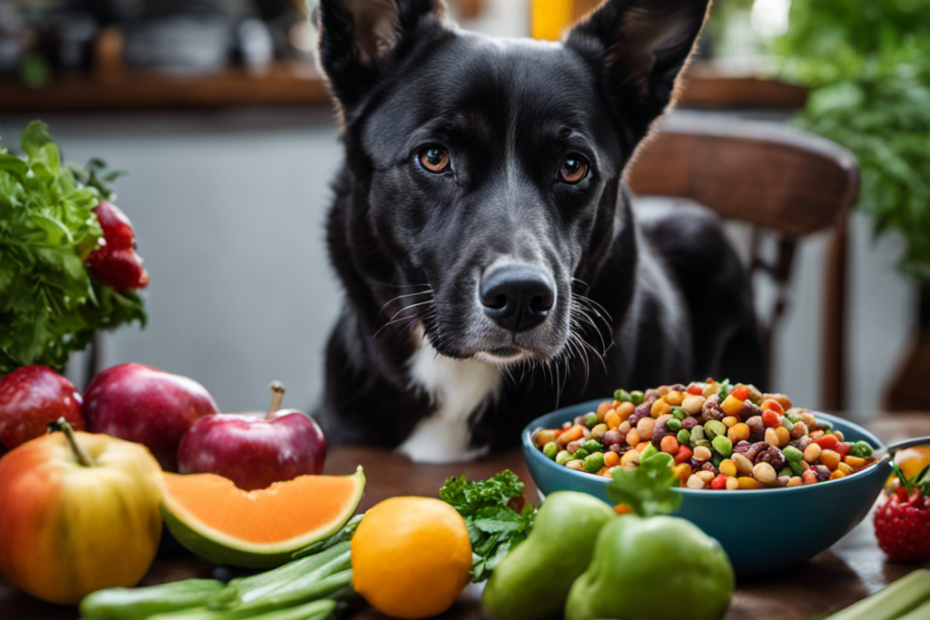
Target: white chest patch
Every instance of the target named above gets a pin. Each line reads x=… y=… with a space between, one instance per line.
x=457 y=388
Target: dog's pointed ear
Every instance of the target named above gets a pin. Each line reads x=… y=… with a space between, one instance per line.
x=358 y=38
x=639 y=47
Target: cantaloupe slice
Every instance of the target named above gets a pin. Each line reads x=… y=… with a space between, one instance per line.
x=218 y=521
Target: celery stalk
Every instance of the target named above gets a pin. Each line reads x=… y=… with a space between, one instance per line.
x=918 y=613
x=892 y=601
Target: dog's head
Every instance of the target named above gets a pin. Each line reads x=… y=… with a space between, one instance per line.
x=487 y=168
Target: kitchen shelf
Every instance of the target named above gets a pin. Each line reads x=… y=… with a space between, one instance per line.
x=299 y=84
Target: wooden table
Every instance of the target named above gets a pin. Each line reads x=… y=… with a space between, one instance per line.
x=851 y=570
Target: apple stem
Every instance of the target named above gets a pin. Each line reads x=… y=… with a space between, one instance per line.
x=277 y=395
x=82 y=457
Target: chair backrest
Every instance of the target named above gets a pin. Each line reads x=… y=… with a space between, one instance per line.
x=780 y=181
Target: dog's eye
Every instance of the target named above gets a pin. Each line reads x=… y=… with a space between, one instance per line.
x=573 y=169
x=434 y=159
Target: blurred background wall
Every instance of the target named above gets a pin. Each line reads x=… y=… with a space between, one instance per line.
x=229 y=207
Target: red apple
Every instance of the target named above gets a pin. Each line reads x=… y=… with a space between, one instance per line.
x=31 y=397
x=146 y=405
x=252 y=450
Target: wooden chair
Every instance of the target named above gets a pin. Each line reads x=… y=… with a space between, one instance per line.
x=782 y=182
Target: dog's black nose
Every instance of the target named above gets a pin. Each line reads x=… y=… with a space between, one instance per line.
x=517 y=297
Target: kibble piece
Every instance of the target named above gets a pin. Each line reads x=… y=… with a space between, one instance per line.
x=732 y=483
x=764 y=472
x=795 y=481
x=702 y=453
x=694 y=482
x=728 y=467
x=674 y=398
x=739 y=432
x=783 y=435
x=812 y=452
x=798 y=430
x=576 y=464
x=692 y=404
x=748 y=482
x=543 y=437
x=705 y=475
x=771 y=437
x=598 y=432
x=645 y=428
x=831 y=459
x=743 y=464
x=625 y=410
x=809 y=477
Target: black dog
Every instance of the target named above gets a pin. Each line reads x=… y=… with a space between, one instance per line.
x=493 y=266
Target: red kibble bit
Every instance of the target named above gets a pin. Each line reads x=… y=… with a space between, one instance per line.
x=843 y=448
x=771 y=419
x=695 y=389
x=772 y=405
x=740 y=392
x=826 y=442
x=684 y=454
x=719 y=482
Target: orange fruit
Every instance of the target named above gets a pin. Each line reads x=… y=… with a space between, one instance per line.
x=911 y=461
x=411 y=557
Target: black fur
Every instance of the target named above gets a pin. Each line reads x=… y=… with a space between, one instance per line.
x=669 y=287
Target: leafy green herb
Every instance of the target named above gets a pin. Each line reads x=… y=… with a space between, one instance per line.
x=724 y=390
x=95 y=174
x=493 y=526
x=49 y=304
x=648 y=488
x=921 y=481
x=868 y=65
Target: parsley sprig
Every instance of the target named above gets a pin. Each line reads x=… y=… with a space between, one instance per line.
x=648 y=488
x=493 y=526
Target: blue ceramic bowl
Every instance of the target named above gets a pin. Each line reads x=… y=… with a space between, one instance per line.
x=762 y=530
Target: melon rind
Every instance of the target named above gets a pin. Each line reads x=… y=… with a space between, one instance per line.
x=220 y=548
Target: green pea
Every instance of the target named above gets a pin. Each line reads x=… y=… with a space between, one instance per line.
x=825 y=426
x=723 y=445
x=563 y=457
x=679 y=413
x=637 y=397
x=594 y=462
x=550 y=450
x=580 y=453
x=787 y=423
x=697 y=433
x=623 y=396
x=673 y=424
x=792 y=454
x=649 y=451
x=715 y=460
x=724 y=390
x=684 y=437
x=592 y=445
x=794 y=417
x=700 y=442
x=797 y=467
x=590 y=420
x=786 y=471
x=862 y=449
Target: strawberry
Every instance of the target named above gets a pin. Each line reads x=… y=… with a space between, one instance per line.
x=902 y=524
x=115 y=263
